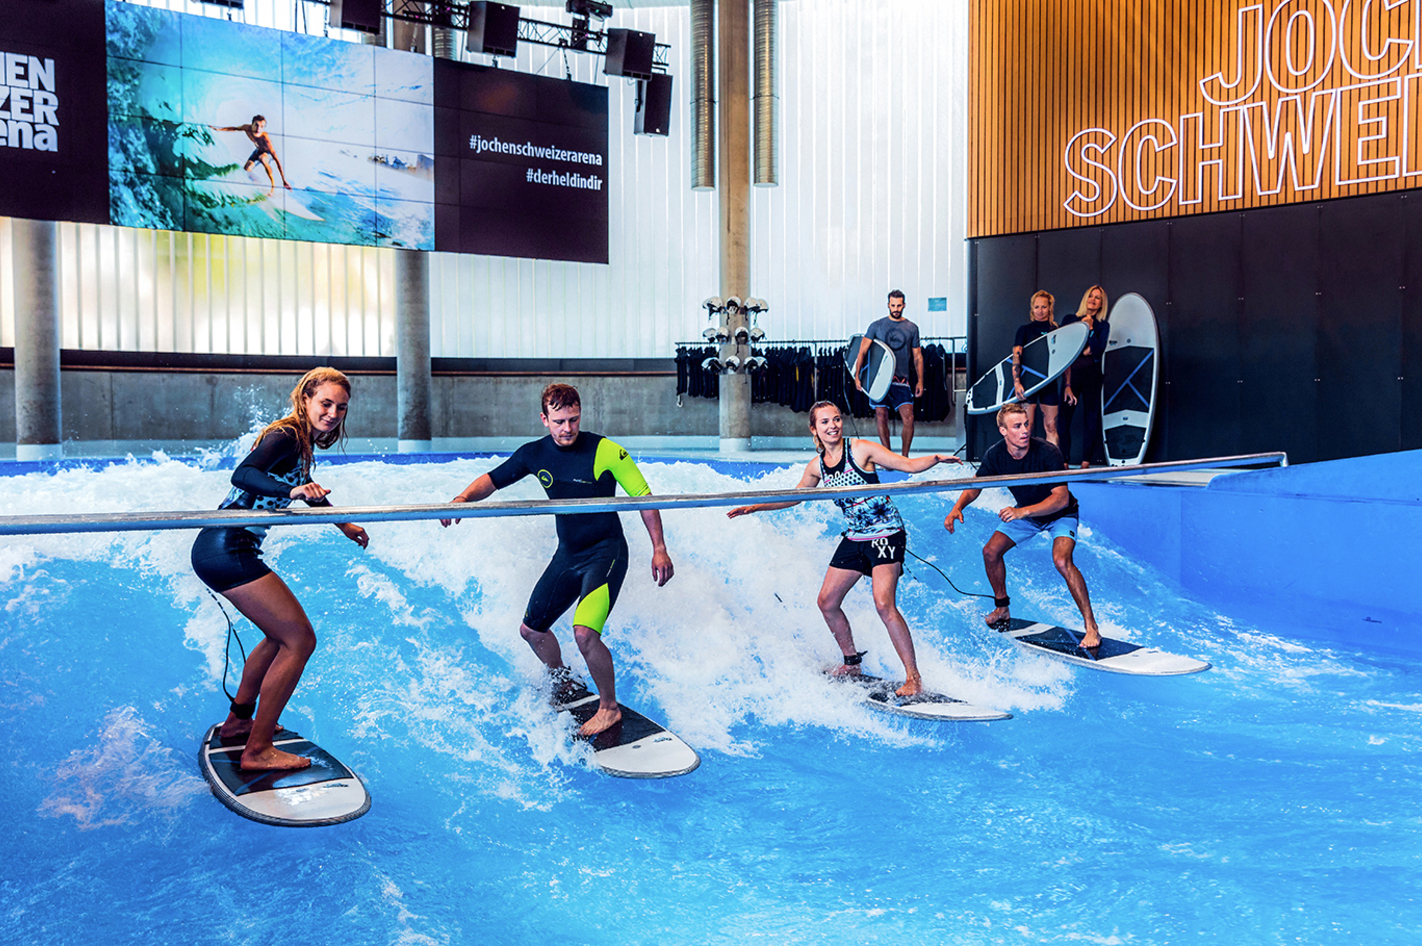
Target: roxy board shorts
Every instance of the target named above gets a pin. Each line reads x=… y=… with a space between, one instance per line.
x=863 y=555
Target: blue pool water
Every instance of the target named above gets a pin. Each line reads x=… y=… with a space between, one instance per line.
x=1272 y=799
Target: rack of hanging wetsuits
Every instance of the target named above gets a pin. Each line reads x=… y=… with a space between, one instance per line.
x=796 y=374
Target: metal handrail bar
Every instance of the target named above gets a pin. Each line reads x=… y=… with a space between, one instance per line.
x=156 y=521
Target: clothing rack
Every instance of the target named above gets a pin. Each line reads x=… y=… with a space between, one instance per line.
x=799 y=372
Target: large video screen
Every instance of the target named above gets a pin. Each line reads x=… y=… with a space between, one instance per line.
x=210 y=126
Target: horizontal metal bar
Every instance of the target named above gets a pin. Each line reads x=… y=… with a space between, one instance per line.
x=157 y=521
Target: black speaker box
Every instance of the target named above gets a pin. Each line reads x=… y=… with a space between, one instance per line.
x=362 y=15
x=654 y=105
x=629 y=53
x=493 y=28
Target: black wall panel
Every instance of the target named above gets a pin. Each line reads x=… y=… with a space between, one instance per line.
x=1200 y=337
x=1068 y=263
x=1002 y=268
x=1135 y=258
x=1360 y=326
x=1410 y=211
x=1294 y=328
x=1278 y=332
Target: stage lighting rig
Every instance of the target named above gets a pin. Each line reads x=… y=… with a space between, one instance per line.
x=583 y=11
x=589 y=9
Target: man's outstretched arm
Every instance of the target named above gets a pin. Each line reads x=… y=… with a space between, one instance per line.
x=482 y=488
x=661 y=561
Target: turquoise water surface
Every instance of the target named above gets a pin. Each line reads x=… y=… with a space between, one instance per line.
x=1271 y=799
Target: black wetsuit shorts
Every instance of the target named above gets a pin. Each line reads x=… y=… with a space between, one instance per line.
x=863 y=555
x=226 y=558
x=592 y=577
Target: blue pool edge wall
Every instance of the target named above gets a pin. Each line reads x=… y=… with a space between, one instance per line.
x=1329 y=551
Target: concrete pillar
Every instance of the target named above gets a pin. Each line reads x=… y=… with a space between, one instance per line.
x=733 y=28
x=36 y=264
x=412 y=362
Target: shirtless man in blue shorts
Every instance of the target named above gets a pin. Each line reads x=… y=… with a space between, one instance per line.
x=1041 y=507
x=256 y=131
x=591 y=560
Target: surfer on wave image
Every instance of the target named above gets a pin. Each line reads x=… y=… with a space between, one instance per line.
x=256 y=130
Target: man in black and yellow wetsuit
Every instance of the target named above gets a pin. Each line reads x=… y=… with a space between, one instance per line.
x=591 y=559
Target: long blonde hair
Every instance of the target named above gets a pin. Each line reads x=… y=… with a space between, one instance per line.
x=1105 y=303
x=299 y=424
x=1051 y=306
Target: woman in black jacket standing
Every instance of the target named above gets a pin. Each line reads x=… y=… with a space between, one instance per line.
x=1082 y=382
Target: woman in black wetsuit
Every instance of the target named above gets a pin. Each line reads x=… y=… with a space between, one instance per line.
x=228 y=560
x=1042 y=321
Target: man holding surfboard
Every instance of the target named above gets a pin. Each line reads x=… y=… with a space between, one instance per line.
x=591 y=560
x=902 y=337
x=1041 y=507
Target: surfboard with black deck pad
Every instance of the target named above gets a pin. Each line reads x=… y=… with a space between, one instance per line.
x=635 y=746
x=1113 y=656
x=880 y=695
x=326 y=792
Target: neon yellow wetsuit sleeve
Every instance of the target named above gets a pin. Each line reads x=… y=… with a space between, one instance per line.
x=613 y=459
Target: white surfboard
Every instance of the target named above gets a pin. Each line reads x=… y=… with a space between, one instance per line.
x=1113 y=656
x=879 y=694
x=635 y=747
x=327 y=792
x=1130 y=369
x=877 y=373
x=297 y=203
x=1043 y=361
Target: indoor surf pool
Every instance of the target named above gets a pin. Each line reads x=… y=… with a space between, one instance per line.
x=1272 y=799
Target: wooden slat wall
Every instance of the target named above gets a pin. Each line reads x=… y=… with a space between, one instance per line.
x=1044 y=71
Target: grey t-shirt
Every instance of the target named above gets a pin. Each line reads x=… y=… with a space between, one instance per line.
x=900 y=335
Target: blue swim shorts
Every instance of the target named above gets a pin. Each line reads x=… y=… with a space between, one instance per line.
x=897 y=396
x=1020 y=530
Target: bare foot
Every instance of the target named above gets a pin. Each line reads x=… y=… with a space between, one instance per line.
x=603 y=720
x=1092 y=638
x=913 y=687
x=845 y=670
x=272 y=759
x=997 y=616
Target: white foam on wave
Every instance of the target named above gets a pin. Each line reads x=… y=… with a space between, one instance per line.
x=127 y=776
x=732 y=644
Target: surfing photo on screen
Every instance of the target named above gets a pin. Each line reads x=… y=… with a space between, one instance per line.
x=218 y=127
